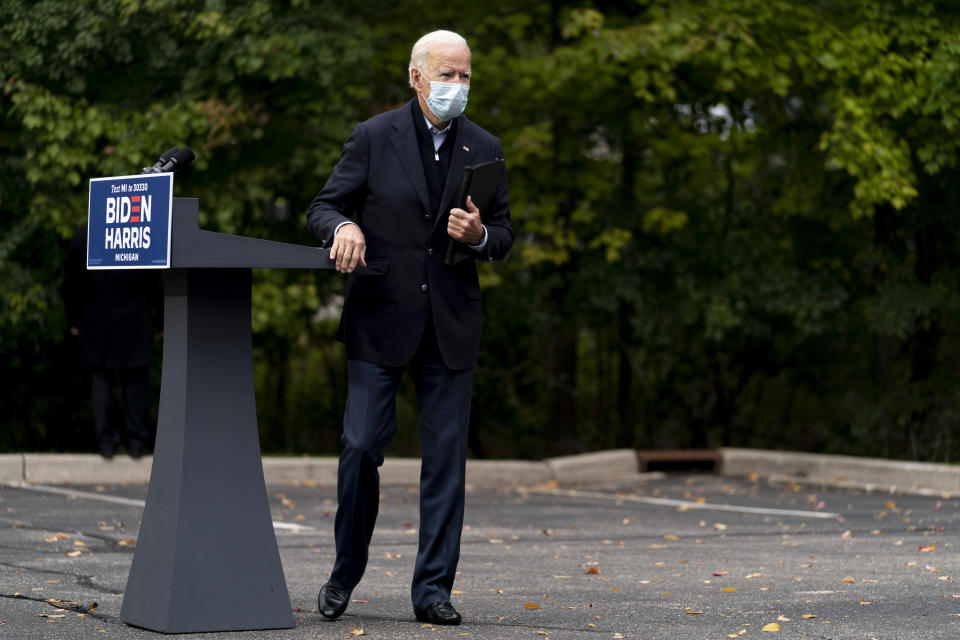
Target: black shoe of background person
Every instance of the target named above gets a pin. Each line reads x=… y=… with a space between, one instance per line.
x=439 y=613
x=136 y=449
x=332 y=601
x=107 y=450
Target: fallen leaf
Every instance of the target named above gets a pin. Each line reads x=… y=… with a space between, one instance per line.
x=531 y=605
x=127 y=543
x=73 y=554
x=773 y=627
x=692 y=611
x=592 y=571
x=849 y=579
x=357 y=632
x=730 y=589
x=929 y=547
x=620 y=635
x=754 y=575
x=719 y=526
x=57 y=536
x=783 y=618
x=808 y=615
x=670 y=536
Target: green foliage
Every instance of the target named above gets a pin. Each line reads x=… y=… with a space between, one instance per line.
x=92 y=89
x=736 y=219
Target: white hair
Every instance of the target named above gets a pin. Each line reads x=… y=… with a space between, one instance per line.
x=422 y=48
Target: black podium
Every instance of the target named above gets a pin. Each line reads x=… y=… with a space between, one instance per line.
x=207 y=556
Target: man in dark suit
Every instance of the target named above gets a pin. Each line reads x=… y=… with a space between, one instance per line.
x=388 y=213
x=113 y=315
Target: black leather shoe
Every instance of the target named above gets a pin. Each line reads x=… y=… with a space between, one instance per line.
x=439 y=613
x=332 y=601
x=136 y=449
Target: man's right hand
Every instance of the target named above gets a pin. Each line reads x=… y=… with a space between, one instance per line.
x=349 y=248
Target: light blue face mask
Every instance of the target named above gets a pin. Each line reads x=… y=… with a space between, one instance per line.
x=447 y=100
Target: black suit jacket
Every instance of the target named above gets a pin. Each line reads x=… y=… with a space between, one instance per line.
x=379 y=183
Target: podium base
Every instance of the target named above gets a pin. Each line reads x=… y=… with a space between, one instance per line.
x=207 y=556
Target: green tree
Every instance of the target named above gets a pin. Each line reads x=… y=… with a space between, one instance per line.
x=258 y=89
x=736 y=219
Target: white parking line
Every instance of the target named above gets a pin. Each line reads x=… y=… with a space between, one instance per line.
x=688 y=504
x=132 y=502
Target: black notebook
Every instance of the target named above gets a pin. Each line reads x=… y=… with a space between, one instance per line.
x=480 y=182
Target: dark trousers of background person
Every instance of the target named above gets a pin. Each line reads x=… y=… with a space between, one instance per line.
x=369 y=424
x=132 y=429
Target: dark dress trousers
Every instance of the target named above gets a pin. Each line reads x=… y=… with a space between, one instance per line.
x=117 y=312
x=407 y=310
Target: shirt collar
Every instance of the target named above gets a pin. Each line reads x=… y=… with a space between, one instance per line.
x=433 y=130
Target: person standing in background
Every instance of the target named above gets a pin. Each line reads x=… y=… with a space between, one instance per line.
x=113 y=315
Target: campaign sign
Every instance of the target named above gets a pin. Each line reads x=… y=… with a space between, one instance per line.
x=129 y=222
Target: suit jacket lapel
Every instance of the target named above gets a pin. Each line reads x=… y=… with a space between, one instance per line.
x=404 y=140
x=461 y=155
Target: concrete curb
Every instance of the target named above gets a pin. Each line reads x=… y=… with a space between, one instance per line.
x=594 y=467
x=871 y=474
x=621 y=464
x=88 y=468
x=11 y=467
x=84 y=468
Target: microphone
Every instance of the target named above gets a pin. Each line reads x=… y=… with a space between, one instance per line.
x=178 y=161
x=166 y=155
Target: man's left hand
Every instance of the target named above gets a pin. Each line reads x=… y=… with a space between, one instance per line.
x=465 y=226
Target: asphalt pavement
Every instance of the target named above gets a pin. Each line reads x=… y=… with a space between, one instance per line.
x=655 y=557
